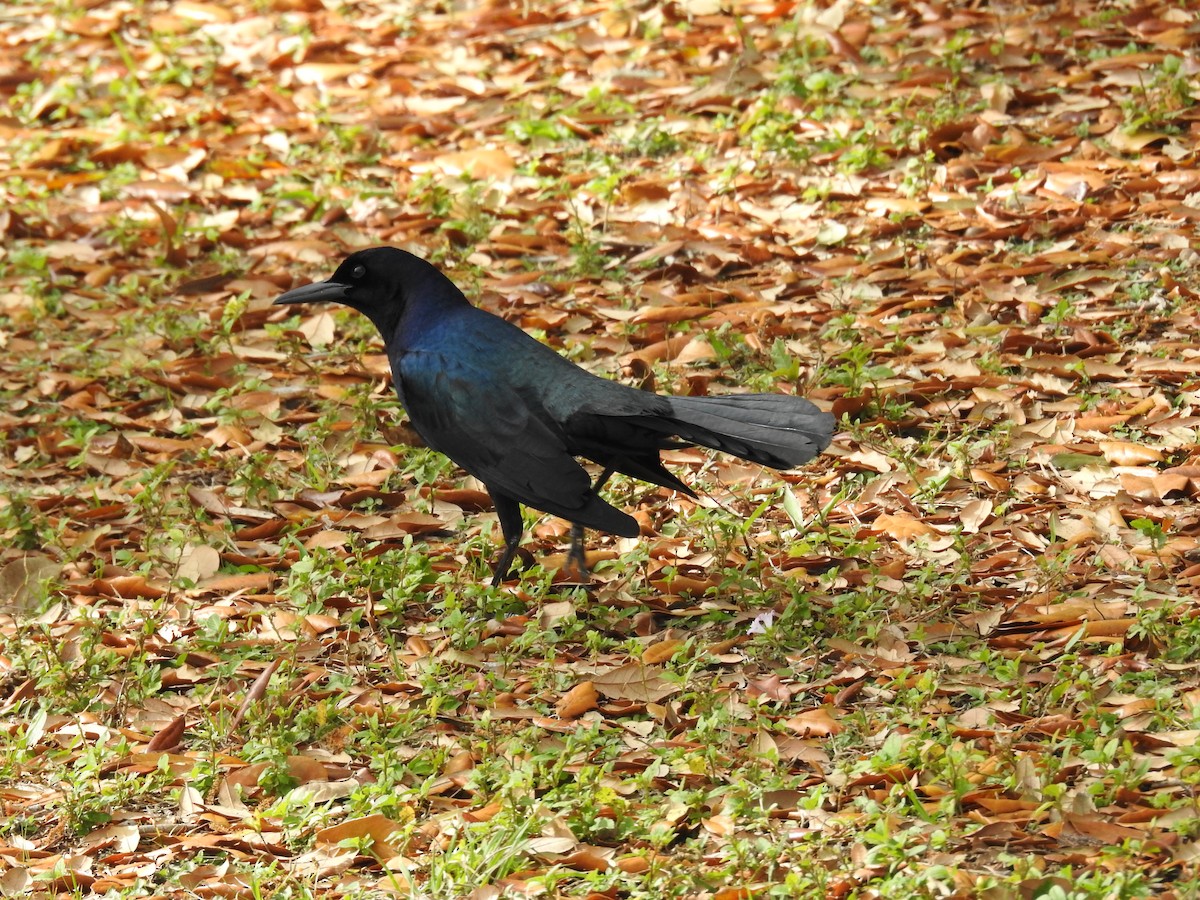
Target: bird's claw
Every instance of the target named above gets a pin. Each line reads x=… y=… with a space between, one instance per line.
x=577 y=564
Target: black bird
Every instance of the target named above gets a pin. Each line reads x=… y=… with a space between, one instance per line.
x=515 y=414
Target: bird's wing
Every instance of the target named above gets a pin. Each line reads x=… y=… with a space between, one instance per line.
x=499 y=434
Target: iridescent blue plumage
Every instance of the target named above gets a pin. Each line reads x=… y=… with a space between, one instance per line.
x=515 y=414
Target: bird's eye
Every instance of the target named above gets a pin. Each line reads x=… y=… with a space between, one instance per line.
x=358 y=271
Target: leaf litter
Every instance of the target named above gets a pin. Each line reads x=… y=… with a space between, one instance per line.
x=243 y=633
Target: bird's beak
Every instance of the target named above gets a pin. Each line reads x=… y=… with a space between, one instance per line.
x=316 y=292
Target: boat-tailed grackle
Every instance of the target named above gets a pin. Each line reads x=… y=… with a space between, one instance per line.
x=515 y=414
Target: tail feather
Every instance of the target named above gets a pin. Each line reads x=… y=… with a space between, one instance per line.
x=775 y=430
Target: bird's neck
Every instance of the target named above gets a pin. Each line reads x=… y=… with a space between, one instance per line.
x=426 y=305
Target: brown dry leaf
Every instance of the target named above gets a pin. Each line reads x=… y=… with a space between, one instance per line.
x=198 y=562
x=577 y=701
x=323 y=73
x=974 y=515
x=169 y=738
x=553 y=846
x=16 y=880
x=661 y=651
x=318 y=330
x=23 y=583
x=484 y=813
x=588 y=859
x=903 y=527
x=817 y=722
x=477 y=164
x=633 y=865
x=1124 y=453
x=378 y=829
x=633 y=681
x=257 y=690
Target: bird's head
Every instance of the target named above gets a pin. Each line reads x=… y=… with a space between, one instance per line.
x=380 y=283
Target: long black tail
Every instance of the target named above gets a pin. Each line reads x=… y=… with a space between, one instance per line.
x=775 y=430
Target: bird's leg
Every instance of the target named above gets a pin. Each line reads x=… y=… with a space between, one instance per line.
x=508 y=511
x=576 y=558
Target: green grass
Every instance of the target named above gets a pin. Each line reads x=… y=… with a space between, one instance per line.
x=845 y=681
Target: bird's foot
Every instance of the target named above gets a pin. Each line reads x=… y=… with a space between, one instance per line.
x=576 y=558
x=577 y=566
